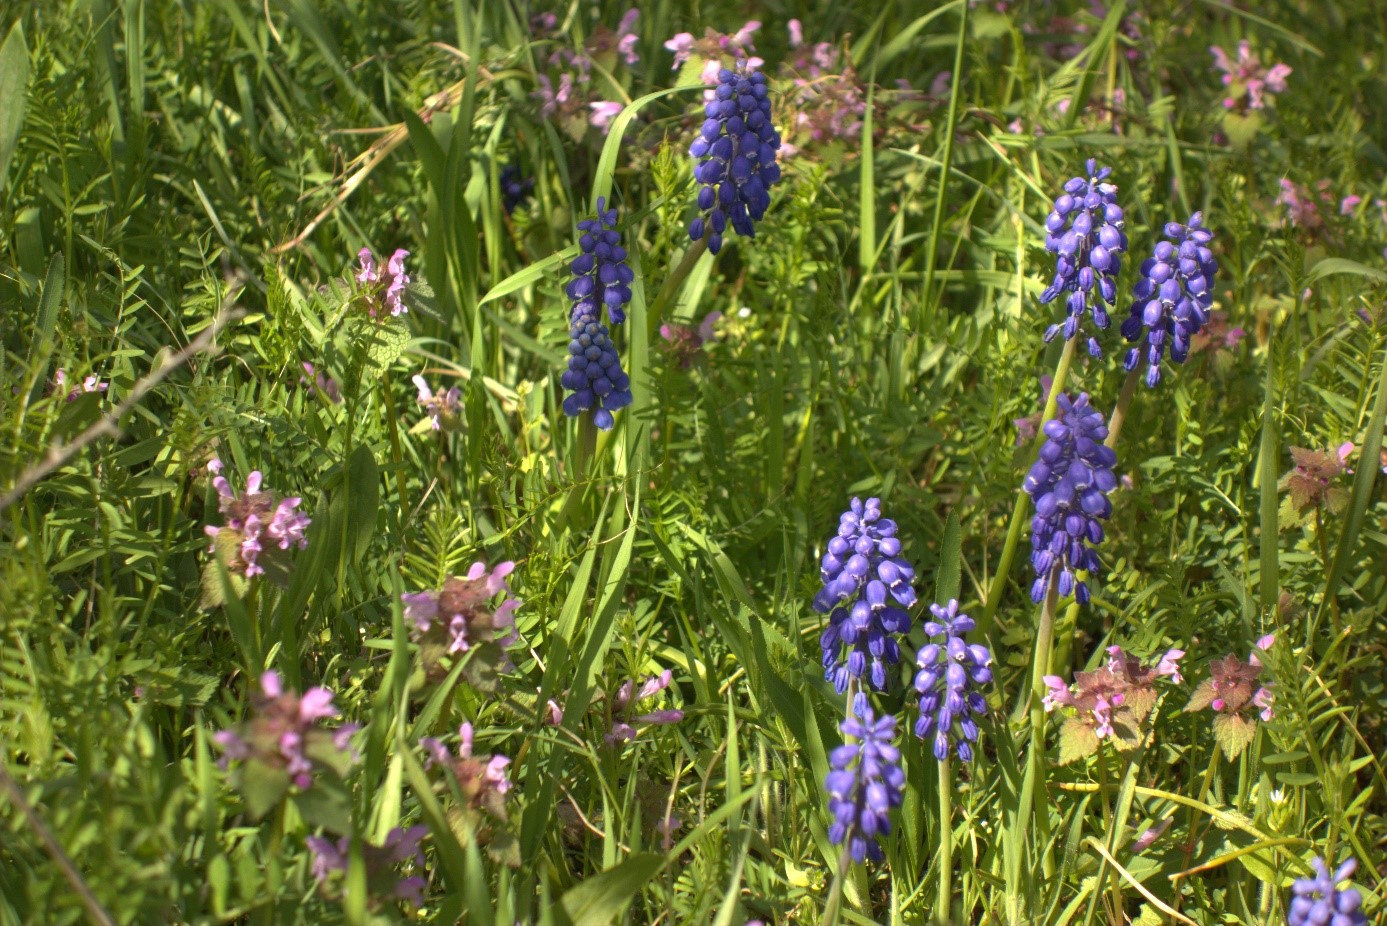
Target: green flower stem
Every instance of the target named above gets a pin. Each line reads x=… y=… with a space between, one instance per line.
x=944 y=902
x=587 y=452
x=1035 y=804
x=392 y=427
x=1023 y=501
x=671 y=285
x=835 y=890
x=1119 y=412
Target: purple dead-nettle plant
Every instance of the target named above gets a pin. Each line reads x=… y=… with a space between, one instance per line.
x=383 y=289
x=863 y=574
x=1109 y=703
x=736 y=151
x=866 y=783
x=382 y=880
x=282 y=743
x=1318 y=901
x=1249 y=82
x=257 y=523
x=443 y=407
x=1234 y=691
x=463 y=616
x=950 y=680
x=625 y=720
x=482 y=781
x=1173 y=297
x=1069 y=483
x=684 y=343
x=1084 y=232
x=601 y=277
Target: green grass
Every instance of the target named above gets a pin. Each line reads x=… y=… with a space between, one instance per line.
x=185 y=170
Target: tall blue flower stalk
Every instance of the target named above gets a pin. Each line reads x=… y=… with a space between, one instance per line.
x=867 y=587
x=949 y=683
x=1084 y=232
x=601 y=277
x=865 y=784
x=1070 y=482
x=736 y=150
x=1173 y=297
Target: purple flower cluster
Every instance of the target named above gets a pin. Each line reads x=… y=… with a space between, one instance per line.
x=736 y=151
x=829 y=98
x=594 y=377
x=253 y=517
x=90 y=384
x=741 y=46
x=863 y=572
x=573 y=102
x=685 y=342
x=600 y=274
x=1173 y=297
x=283 y=733
x=400 y=846
x=865 y=783
x=483 y=782
x=949 y=682
x=1317 y=901
x=1084 y=231
x=442 y=407
x=1070 y=482
x=461 y=615
x=1247 y=80
x=625 y=700
x=384 y=289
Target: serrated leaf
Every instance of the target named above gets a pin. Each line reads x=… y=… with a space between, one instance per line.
x=327 y=804
x=226 y=549
x=383 y=342
x=262 y=787
x=1077 y=741
x=1202 y=697
x=1233 y=733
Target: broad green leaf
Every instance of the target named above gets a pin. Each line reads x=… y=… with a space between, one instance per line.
x=600 y=900
x=1337 y=265
x=14 y=81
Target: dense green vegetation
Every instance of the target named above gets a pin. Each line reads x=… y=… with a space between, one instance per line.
x=185 y=187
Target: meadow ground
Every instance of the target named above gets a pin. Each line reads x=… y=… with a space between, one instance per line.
x=424 y=499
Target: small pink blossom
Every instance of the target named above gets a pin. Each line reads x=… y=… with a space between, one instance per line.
x=1349 y=203
x=603 y=112
x=1148 y=837
x=1248 y=80
x=90 y=384
x=443 y=407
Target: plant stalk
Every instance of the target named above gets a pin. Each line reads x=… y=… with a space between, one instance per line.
x=1023 y=501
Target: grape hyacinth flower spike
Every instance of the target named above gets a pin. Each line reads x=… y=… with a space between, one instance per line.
x=1318 y=902
x=863 y=573
x=1070 y=483
x=736 y=151
x=949 y=682
x=1173 y=298
x=865 y=783
x=1084 y=231
x=594 y=377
